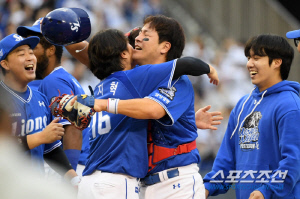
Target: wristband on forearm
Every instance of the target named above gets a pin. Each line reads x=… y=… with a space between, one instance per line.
x=112 y=105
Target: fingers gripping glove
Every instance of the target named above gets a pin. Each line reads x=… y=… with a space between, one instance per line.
x=79 y=113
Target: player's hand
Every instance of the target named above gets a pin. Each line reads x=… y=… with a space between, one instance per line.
x=256 y=195
x=72 y=177
x=54 y=131
x=213 y=76
x=206 y=120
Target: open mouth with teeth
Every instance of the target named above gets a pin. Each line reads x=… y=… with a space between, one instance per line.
x=253 y=72
x=29 y=67
x=138 y=48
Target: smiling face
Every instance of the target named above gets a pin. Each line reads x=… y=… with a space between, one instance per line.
x=20 y=66
x=149 y=51
x=263 y=74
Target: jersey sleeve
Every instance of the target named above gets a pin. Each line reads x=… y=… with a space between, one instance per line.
x=147 y=77
x=175 y=99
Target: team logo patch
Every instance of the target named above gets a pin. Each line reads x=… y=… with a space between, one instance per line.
x=168 y=92
x=18 y=37
x=1 y=53
x=249 y=133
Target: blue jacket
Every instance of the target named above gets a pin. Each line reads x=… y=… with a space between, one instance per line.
x=261 y=147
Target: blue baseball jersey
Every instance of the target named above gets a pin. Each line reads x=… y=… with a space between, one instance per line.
x=35 y=84
x=59 y=82
x=29 y=116
x=178 y=126
x=118 y=144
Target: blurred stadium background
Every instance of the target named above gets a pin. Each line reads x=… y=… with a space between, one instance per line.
x=216 y=31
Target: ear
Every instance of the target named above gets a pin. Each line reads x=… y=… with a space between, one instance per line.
x=277 y=63
x=4 y=64
x=50 y=51
x=166 y=46
x=124 y=54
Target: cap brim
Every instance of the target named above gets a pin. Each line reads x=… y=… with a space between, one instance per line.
x=24 y=31
x=31 y=41
x=293 y=34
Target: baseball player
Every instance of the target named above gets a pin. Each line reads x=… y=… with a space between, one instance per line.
x=56 y=80
x=30 y=114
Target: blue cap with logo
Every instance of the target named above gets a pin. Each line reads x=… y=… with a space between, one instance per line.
x=13 y=41
x=24 y=31
x=293 y=34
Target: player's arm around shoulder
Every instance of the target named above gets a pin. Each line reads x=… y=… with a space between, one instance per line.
x=140 y=108
x=143 y=108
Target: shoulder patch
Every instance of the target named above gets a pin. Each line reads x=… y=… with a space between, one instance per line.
x=168 y=92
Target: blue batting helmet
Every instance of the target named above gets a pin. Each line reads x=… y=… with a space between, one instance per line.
x=64 y=26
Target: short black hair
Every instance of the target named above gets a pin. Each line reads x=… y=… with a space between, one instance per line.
x=104 y=52
x=273 y=46
x=170 y=30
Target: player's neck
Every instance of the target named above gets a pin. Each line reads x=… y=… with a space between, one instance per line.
x=126 y=64
x=15 y=84
x=52 y=65
x=157 y=60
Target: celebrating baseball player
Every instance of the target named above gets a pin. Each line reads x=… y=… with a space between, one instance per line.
x=30 y=114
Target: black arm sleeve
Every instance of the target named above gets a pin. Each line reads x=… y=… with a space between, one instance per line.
x=58 y=161
x=190 y=66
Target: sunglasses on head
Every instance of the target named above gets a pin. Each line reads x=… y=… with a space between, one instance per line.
x=296 y=41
